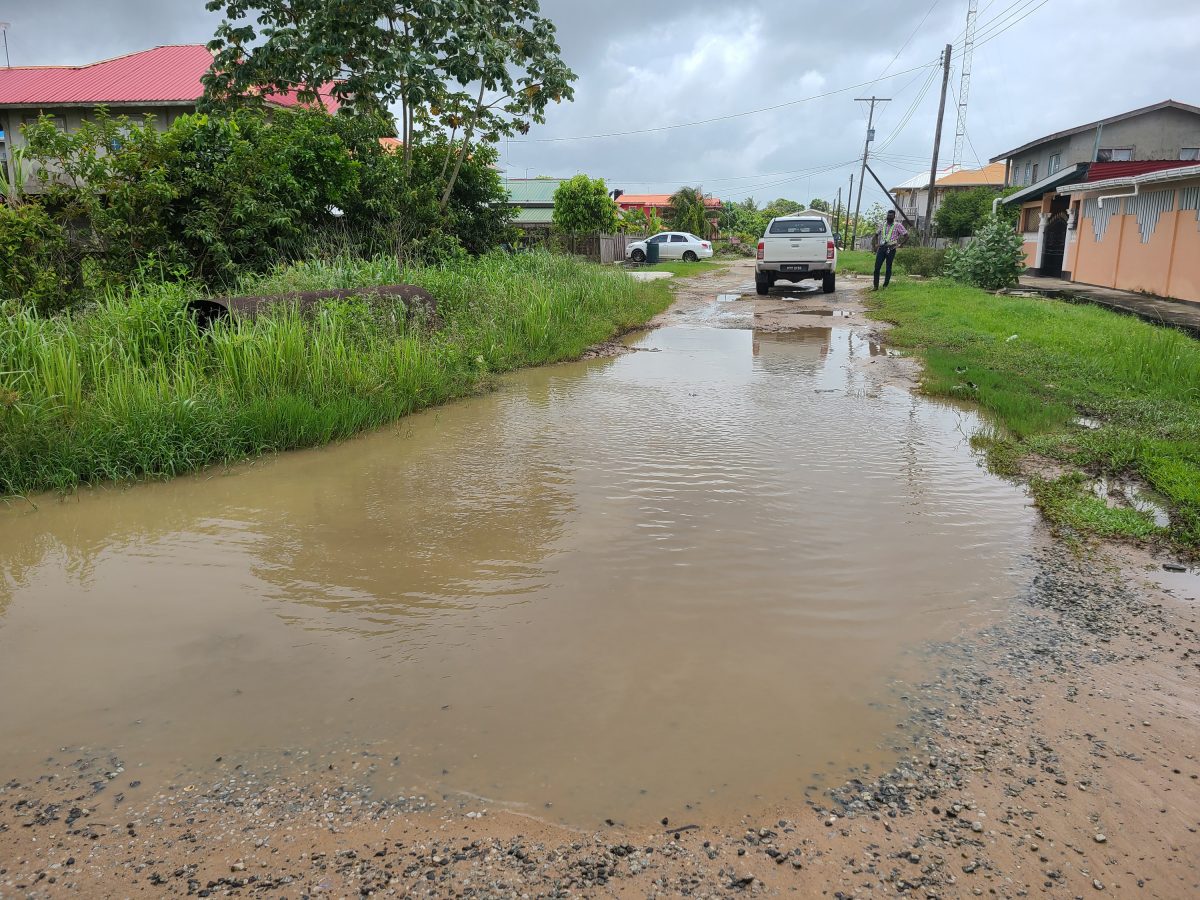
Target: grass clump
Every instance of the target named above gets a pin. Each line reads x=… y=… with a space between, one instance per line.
x=130 y=387
x=862 y=262
x=1037 y=366
x=682 y=269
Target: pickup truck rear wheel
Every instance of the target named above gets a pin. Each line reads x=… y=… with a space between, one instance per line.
x=829 y=282
x=762 y=285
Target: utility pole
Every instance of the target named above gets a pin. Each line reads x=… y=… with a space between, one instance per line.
x=4 y=26
x=837 y=214
x=849 y=196
x=937 y=139
x=866 y=150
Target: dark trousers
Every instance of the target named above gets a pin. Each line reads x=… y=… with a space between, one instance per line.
x=885 y=253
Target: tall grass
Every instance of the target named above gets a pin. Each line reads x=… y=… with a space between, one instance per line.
x=1038 y=365
x=132 y=388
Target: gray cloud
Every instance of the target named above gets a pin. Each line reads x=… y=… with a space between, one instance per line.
x=642 y=64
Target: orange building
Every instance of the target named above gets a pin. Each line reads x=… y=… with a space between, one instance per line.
x=1136 y=232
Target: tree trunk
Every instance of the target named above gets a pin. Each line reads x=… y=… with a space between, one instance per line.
x=462 y=152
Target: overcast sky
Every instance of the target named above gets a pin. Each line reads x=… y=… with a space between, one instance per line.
x=649 y=63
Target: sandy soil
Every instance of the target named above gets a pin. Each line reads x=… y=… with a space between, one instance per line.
x=1054 y=755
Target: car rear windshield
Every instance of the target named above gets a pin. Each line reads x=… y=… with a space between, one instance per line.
x=798 y=226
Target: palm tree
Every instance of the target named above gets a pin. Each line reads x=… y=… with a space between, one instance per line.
x=686 y=211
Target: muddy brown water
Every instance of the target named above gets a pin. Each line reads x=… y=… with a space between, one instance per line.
x=668 y=583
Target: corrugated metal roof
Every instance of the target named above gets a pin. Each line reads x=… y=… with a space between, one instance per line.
x=533 y=215
x=1103 y=171
x=169 y=74
x=659 y=200
x=1049 y=183
x=1179 y=173
x=532 y=190
x=992 y=176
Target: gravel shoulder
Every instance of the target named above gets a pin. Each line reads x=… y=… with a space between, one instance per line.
x=1053 y=754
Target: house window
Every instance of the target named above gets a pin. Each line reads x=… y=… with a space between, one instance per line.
x=57 y=121
x=1035 y=167
x=1115 y=154
x=1030 y=219
x=1190 y=153
x=1055 y=164
x=1027 y=165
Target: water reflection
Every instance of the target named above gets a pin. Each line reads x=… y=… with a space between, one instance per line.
x=585 y=589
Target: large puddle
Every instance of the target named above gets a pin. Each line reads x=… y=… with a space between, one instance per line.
x=675 y=580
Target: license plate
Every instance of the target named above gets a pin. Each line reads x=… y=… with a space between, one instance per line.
x=795 y=268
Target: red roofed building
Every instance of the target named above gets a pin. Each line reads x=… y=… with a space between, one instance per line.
x=658 y=204
x=163 y=82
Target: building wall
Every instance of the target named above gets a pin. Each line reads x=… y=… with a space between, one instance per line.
x=1148 y=243
x=72 y=118
x=1157 y=135
x=1028 y=223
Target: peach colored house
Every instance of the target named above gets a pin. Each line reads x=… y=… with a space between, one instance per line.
x=1137 y=232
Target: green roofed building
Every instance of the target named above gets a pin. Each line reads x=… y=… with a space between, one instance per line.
x=532 y=200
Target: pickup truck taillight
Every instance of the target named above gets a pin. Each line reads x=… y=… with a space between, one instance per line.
x=762 y=248
x=829 y=249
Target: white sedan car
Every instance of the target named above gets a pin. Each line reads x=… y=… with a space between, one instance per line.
x=672 y=245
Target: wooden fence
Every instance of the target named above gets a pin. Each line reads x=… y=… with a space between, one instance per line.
x=601 y=248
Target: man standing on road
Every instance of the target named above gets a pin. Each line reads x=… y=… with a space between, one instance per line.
x=888 y=236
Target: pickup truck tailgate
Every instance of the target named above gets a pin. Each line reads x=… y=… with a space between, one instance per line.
x=795 y=248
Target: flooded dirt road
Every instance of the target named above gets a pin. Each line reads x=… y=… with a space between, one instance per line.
x=735 y=578
x=681 y=578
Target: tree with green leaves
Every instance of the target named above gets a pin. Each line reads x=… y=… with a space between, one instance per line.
x=632 y=221
x=686 y=211
x=782 y=207
x=475 y=69
x=820 y=205
x=962 y=212
x=582 y=205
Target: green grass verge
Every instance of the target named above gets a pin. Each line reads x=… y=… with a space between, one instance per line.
x=1036 y=366
x=862 y=262
x=130 y=388
x=682 y=269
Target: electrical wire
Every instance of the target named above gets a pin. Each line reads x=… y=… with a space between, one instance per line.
x=967 y=133
x=991 y=29
x=910 y=37
x=725 y=118
x=908 y=115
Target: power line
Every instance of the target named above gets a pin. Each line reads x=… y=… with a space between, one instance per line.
x=1002 y=30
x=725 y=118
x=993 y=28
x=967 y=134
x=910 y=37
x=907 y=117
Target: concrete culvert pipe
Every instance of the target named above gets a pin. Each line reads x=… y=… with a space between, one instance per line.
x=416 y=300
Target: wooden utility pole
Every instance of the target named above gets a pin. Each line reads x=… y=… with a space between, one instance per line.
x=937 y=139
x=837 y=213
x=849 y=196
x=866 y=151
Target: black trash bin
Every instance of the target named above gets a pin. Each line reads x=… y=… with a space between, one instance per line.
x=652 y=252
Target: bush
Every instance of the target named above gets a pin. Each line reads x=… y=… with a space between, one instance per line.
x=924 y=261
x=217 y=196
x=33 y=258
x=993 y=261
x=582 y=206
x=962 y=212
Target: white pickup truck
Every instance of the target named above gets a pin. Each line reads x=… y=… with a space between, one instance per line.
x=795 y=248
